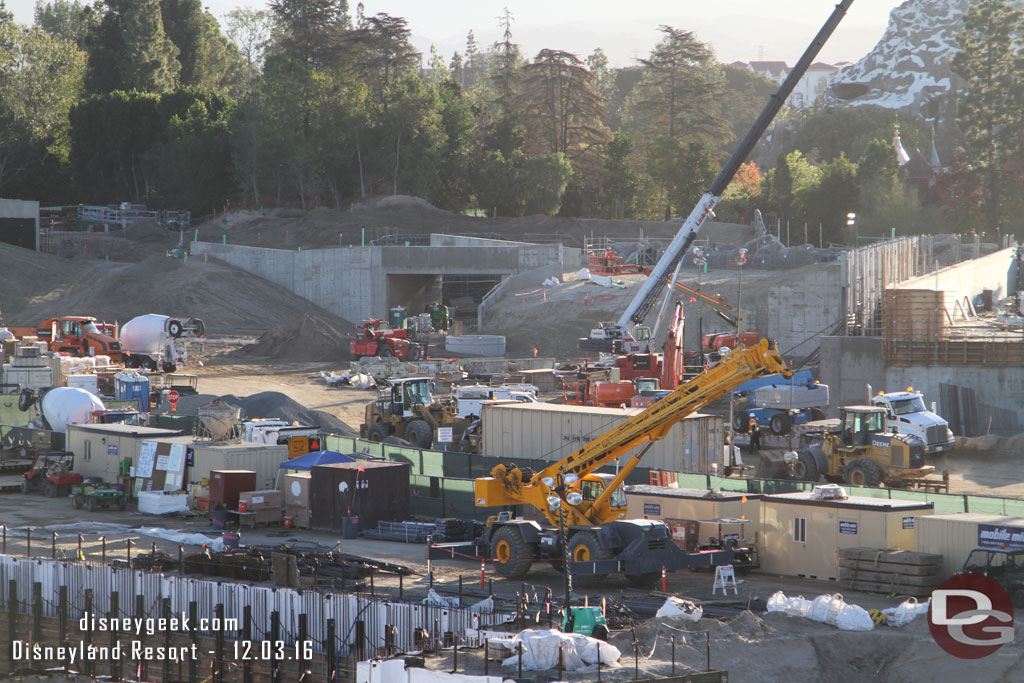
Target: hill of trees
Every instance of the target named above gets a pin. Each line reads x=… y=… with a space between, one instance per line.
x=313 y=103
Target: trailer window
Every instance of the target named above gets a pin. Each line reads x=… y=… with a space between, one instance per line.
x=800 y=529
x=87 y=450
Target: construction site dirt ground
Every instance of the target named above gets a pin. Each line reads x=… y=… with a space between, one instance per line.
x=982 y=466
x=750 y=646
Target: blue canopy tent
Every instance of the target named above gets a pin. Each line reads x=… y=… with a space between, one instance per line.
x=304 y=463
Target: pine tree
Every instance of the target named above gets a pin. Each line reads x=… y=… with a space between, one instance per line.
x=991 y=114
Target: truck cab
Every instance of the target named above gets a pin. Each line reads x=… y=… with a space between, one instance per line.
x=907 y=414
x=469 y=399
x=76 y=335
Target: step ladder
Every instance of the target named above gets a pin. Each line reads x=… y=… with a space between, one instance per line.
x=725 y=576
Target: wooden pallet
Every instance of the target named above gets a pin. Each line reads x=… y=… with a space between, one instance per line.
x=890 y=567
x=846 y=574
x=892 y=572
x=894 y=556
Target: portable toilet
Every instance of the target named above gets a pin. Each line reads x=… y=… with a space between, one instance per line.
x=130 y=386
x=396 y=317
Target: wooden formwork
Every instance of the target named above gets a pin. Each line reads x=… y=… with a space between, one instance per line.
x=1003 y=354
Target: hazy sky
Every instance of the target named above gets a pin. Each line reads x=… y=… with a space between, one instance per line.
x=737 y=29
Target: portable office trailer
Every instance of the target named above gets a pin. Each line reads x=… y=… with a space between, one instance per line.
x=371 y=491
x=682 y=509
x=955 y=536
x=100 y=448
x=801 y=534
x=548 y=431
x=264 y=459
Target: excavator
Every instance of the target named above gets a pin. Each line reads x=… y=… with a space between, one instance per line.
x=586 y=510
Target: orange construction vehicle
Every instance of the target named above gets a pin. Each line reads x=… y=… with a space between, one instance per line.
x=75 y=334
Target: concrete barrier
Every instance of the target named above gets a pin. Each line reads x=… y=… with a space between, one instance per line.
x=476 y=344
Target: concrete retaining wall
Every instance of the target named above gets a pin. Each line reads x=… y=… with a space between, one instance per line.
x=353 y=282
x=18 y=220
x=848 y=365
x=999 y=393
x=970 y=277
x=797 y=307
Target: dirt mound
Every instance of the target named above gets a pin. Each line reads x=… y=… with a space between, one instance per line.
x=230 y=301
x=308 y=337
x=272 y=404
x=405 y=215
x=989 y=445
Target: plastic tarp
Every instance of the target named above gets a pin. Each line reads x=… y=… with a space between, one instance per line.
x=677 y=607
x=215 y=544
x=304 y=463
x=540 y=651
x=551 y=281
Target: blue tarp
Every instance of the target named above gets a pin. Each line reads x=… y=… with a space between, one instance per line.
x=306 y=462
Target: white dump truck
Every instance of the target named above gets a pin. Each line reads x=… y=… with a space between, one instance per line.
x=157 y=342
x=907 y=414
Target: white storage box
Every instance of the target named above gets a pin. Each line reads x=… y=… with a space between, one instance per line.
x=159 y=503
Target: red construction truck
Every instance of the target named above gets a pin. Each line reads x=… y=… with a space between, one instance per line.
x=77 y=335
x=375 y=337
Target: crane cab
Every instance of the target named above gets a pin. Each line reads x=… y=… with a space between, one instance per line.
x=593 y=485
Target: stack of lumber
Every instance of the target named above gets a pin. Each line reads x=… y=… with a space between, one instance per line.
x=893 y=572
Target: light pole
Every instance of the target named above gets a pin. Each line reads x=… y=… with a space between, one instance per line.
x=851 y=222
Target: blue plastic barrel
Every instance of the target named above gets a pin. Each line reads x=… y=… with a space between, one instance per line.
x=350 y=527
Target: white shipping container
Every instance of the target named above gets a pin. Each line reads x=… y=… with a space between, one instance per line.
x=547 y=431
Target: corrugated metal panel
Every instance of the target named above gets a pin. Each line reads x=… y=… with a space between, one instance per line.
x=344 y=609
x=551 y=432
x=955 y=536
x=263 y=459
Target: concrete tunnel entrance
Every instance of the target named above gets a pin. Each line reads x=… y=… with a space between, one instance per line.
x=416 y=291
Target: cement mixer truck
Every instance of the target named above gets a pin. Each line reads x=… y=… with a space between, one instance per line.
x=55 y=410
x=157 y=342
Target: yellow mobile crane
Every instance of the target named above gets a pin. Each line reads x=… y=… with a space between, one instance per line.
x=587 y=510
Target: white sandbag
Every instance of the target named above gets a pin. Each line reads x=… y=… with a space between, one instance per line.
x=583 y=274
x=826 y=608
x=361 y=381
x=551 y=281
x=540 y=651
x=677 y=607
x=602 y=280
x=905 y=612
x=854 y=618
x=435 y=598
x=485 y=606
x=796 y=606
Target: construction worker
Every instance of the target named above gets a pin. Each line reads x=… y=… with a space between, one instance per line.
x=755 y=434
